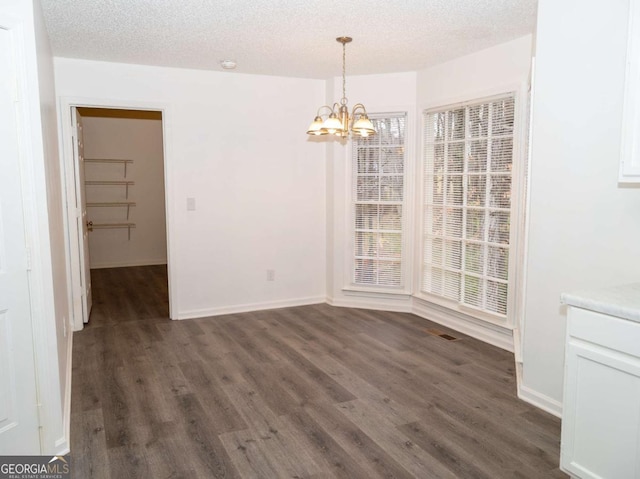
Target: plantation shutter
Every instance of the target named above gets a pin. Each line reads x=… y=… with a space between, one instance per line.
x=468 y=158
x=378 y=192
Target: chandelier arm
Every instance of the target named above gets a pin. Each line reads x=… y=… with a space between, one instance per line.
x=358 y=106
x=327 y=107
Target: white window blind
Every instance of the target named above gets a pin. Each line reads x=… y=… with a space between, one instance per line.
x=378 y=192
x=468 y=158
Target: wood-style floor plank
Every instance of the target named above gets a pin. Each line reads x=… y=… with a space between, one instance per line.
x=311 y=392
x=364 y=450
x=325 y=450
x=412 y=457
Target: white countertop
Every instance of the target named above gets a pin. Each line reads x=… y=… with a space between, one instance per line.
x=620 y=301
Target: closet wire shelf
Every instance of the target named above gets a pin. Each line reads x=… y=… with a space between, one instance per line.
x=109 y=160
x=93 y=226
x=113 y=204
x=126 y=184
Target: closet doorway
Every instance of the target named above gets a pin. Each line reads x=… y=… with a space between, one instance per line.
x=120 y=222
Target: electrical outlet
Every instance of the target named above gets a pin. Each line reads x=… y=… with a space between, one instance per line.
x=191 y=204
x=271 y=275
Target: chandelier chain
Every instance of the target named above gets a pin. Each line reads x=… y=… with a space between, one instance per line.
x=344 y=74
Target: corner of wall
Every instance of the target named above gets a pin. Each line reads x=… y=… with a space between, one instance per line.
x=539 y=400
x=329 y=206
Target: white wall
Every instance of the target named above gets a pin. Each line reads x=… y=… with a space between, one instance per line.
x=379 y=93
x=584 y=228
x=237 y=144
x=487 y=72
x=140 y=140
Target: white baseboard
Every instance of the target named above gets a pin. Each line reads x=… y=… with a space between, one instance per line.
x=539 y=400
x=245 y=308
x=375 y=300
x=63 y=444
x=487 y=332
x=372 y=300
x=125 y=264
x=369 y=303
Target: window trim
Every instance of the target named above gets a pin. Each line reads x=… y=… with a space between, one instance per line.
x=519 y=197
x=406 y=289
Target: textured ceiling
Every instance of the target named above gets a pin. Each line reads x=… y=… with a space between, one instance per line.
x=284 y=37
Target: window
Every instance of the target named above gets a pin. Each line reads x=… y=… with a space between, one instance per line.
x=468 y=159
x=379 y=185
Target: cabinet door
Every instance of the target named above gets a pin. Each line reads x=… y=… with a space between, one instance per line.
x=601 y=417
x=630 y=146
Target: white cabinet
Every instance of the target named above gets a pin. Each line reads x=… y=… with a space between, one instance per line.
x=630 y=146
x=601 y=408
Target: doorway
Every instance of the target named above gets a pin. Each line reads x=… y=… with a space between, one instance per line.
x=123 y=168
x=120 y=228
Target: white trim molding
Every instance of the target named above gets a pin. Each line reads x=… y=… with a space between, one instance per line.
x=397 y=304
x=63 y=444
x=489 y=333
x=245 y=308
x=494 y=334
x=550 y=405
x=126 y=264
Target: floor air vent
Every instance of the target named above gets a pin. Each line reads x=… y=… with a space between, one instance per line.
x=442 y=334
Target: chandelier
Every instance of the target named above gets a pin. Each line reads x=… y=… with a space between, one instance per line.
x=336 y=120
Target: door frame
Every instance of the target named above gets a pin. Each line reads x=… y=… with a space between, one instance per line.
x=80 y=263
x=52 y=407
x=27 y=159
x=69 y=166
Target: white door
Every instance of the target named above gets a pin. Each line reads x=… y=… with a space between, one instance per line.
x=81 y=217
x=19 y=433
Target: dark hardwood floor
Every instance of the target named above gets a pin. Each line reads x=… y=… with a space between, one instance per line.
x=304 y=392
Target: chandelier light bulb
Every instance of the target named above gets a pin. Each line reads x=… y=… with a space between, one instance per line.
x=316 y=127
x=228 y=64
